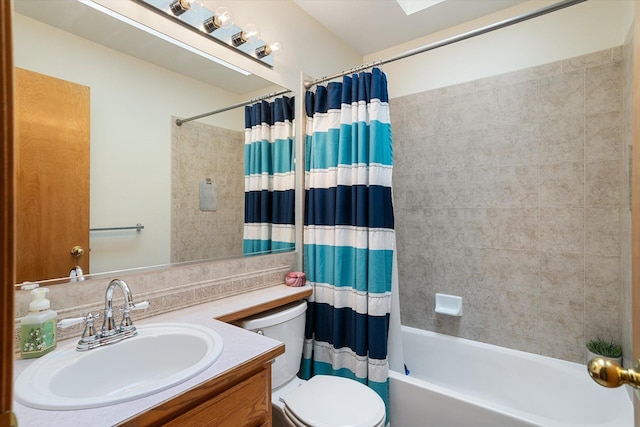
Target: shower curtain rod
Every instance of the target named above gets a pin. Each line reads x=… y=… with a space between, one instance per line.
x=464 y=36
x=179 y=122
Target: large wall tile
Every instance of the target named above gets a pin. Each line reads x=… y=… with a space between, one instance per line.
x=562 y=140
x=562 y=230
x=602 y=321
x=602 y=184
x=562 y=95
x=603 y=89
x=562 y=185
x=603 y=137
x=517 y=103
x=519 y=144
x=448 y=227
x=562 y=276
x=602 y=276
x=602 y=231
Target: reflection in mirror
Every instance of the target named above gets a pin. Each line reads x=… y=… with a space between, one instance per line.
x=138 y=85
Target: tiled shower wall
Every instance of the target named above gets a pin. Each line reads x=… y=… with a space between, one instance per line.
x=508 y=192
x=200 y=151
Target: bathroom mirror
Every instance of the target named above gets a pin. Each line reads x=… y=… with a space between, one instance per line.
x=138 y=85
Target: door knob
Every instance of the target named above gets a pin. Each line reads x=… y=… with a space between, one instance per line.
x=77 y=251
x=608 y=373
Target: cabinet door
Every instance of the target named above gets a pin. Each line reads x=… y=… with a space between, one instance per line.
x=248 y=403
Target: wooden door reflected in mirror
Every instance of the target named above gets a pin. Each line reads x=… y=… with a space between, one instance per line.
x=52 y=172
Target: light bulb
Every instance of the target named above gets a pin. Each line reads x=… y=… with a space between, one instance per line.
x=224 y=16
x=221 y=19
x=250 y=33
x=275 y=46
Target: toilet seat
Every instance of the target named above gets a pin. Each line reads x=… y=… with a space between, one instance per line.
x=334 y=401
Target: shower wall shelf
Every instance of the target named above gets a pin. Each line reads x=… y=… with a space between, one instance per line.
x=193 y=19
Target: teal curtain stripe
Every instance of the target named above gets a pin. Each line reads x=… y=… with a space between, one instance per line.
x=381 y=133
x=279 y=246
x=263 y=156
x=346 y=266
x=257 y=245
x=258 y=158
x=324 y=152
x=254 y=245
x=283 y=155
x=351 y=144
x=307 y=155
x=383 y=391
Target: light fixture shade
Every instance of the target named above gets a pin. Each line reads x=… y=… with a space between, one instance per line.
x=267 y=49
x=221 y=19
x=249 y=34
x=178 y=7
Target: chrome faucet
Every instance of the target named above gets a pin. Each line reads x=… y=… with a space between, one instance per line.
x=109 y=327
x=110 y=332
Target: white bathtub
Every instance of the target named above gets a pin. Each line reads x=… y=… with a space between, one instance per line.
x=457 y=382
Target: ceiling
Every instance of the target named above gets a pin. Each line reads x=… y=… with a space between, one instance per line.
x=369 y=26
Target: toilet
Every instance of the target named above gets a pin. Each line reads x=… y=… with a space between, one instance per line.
x=321 y=401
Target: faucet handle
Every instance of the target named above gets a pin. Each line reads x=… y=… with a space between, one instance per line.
x=127 y=323
x=89 y=334
x=67 y=323
x=140 y=306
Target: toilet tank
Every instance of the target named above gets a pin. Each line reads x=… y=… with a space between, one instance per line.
x=285 y=324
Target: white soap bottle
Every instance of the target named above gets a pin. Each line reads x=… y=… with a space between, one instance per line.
x=38 y=328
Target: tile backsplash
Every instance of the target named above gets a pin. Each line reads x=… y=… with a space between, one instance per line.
x=166 y=288
x=508 y=192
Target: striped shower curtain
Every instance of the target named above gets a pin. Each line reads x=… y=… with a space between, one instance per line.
x=349 y=235
x=269 y=176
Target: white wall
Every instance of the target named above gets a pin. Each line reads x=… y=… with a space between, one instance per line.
x=306 y=45
x=577 y=30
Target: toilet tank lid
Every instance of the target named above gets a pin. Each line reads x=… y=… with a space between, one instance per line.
x=274 y=316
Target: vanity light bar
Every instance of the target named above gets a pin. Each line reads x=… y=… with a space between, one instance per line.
x=216 y=25
x=162 y=36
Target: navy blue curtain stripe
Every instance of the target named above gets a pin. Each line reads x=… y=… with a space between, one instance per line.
x=358 y=205
x=274 y=207
x=264 y=112
x=332 y=323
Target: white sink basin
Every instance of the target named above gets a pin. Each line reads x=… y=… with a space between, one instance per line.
x=160 y=356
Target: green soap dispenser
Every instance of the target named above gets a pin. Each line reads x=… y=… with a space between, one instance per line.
x=38 y=328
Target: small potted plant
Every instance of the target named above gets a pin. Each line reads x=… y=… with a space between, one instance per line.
x=603 y=348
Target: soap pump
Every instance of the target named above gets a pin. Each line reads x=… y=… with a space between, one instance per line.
x=38 y=328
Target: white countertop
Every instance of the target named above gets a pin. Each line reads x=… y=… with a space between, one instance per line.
x=240 y=346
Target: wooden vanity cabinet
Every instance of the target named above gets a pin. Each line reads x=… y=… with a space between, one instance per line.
x=240 y=397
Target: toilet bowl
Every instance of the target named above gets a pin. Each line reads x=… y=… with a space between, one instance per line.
x=323 y=400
